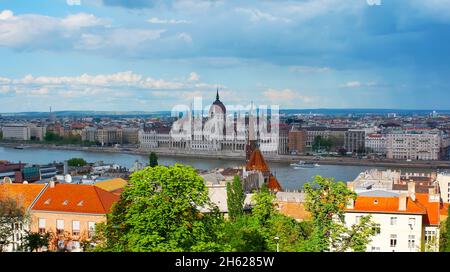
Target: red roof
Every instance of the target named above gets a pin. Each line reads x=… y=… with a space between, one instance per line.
x=257 y=162
x=273 y=184
x=421 y=205
x=24 y=194
x=76 y=198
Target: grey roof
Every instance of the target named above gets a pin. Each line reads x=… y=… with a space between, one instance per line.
x=380 y=193
x=291 y=197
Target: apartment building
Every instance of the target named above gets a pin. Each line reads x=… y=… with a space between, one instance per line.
x=70 y=211
x=325 y=132
x=354 y=140
x=406 y=222
x=413 y=145
x=444 y=185
x=376 y=143
x=297 y=141
x=16 y=132
x=24 y=195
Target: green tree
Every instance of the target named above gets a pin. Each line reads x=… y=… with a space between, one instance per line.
x=153 y=159
x=263 y=208
x=76 y=162
x=444 y=242
x=244 y=235
x=11 y=215
x=326 y=200
x=52 y=137
x=235 y=198
x=32 y=241
x=160 y=211
x=321 y=143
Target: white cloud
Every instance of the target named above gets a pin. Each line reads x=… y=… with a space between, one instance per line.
x=155 y=20
x=286 y=97
x=40 y=91
x=4 y=90
x=352 y=84
x=185 y=37
x=257 y=15
x=6 y=14
x=358 y=84
x=193 y=76
x=309 y=69
x=80 y=20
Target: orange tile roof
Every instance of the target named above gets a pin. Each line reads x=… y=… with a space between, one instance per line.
x=112 y=184
x=293 y=209
x=385 y=205
x=76 y=198
x=257 y=162
x=24 y=194
x=421 y=205
x=273 y=184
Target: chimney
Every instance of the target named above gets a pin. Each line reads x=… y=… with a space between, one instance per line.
x=350 y=186
x=433 y=195
x=402 y=201
x=412 y=190
x=52 y=184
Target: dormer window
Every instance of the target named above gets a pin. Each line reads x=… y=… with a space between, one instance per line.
x=65 y=202
x=375 y=202
x=47 y=202
x=80 y=203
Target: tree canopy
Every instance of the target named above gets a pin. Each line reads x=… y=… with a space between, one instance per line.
x=235 y=198
x=153 y=159
x=160 y=211
x=326 y=200
x=76 y=162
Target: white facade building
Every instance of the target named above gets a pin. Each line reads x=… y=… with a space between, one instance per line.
x=444 y=186
x=406 y=221
x=413 y=145
x=16 y=132
x=376 y=143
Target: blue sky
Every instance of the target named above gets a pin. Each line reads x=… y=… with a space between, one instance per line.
x=152 y=54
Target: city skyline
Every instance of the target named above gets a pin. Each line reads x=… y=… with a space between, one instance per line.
x=327 y=54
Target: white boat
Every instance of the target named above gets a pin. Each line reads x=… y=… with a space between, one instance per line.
x=302 y=164
x=21 y=146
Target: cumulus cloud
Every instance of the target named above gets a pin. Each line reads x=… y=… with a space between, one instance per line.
x=116 y=84
x=80 y=20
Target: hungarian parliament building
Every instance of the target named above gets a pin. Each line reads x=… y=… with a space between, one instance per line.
x=271 y=137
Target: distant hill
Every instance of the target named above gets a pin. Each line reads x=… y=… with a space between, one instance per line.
x=126 y=114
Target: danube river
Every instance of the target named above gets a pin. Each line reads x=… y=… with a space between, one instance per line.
x=289 y=178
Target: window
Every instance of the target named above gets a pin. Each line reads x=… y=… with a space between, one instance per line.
x=91 y=229
x=393 y=221
x=412 y=222
x=358 y=219
x=75 y=228
x=393 y=240
x=377 y=228
x=59 y=226
x=376 y=249
x=41 y=225
x=411 y=241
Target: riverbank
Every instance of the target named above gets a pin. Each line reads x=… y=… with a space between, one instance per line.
x=241 y=157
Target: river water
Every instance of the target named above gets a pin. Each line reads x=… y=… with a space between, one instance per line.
x=289 y=178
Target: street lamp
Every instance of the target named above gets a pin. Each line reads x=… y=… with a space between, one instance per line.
x=277 y=239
